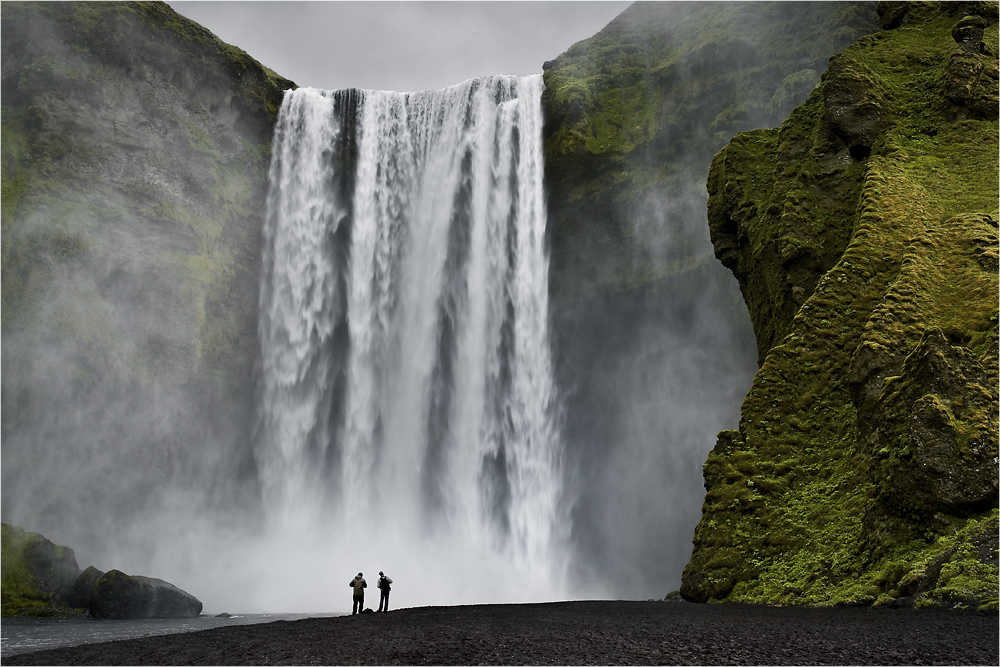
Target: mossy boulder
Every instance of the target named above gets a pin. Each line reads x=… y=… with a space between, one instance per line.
x=82 y=590
x=119 y=595
x=863 y=233
x=43 y=579
x=37 y=574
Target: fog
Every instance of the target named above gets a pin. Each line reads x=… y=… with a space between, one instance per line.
x=649 y=376
x=134 y=378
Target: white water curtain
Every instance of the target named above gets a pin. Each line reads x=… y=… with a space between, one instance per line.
x=407 y=390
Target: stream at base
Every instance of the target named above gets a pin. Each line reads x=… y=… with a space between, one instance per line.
x=23 y=635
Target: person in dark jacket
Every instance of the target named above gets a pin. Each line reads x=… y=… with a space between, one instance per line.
x=384 y=583
x=359 y=585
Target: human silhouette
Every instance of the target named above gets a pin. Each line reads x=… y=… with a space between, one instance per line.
x=359 y=585
x=384 y=583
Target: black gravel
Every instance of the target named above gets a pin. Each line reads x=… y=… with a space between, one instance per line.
x=572 y=633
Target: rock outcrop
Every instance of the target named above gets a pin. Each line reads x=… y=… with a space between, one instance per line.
x=43 y=579
x=863 y=233
x=118 y=595
x=36 y=574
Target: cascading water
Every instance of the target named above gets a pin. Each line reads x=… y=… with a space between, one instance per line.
x=408 y=409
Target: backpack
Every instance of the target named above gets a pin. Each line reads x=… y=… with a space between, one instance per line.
x=383 y=583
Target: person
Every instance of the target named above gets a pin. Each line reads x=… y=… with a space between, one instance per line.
x=384 y=586
x=359 y=585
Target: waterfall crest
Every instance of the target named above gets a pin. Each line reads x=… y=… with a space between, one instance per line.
x=407 y=396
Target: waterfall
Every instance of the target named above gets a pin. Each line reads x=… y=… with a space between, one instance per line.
x=407 y=398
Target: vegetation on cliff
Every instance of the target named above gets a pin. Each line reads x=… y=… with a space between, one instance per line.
x=864 y=237
x=635 y=114
x=36 y=575
x=135 y=151
x=653 y=346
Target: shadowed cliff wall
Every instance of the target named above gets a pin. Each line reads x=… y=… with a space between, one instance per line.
x=134 y=165
x=653 y=345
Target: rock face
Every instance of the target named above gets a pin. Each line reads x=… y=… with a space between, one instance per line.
x=635 y=114
x=653 y=347
x=134 y=168
x=863 y=233
x=43 y=579
x=118 y=595
x=37 y=574
x=82 y=590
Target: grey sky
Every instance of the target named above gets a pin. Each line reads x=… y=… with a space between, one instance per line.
x=403 y=46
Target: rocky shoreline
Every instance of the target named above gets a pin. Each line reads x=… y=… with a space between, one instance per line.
x=584 y=632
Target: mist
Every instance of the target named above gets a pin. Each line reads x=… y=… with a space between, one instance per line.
x=139 y=426
x=649 y=376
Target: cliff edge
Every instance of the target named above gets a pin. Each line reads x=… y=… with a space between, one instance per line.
x=653 y=346
x=863 y=233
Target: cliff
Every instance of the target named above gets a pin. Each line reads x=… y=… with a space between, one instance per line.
x=863 y=233
x=36 y=574
x=134 y=168
x=42 y=579
x=635 y=114
x=653 y=346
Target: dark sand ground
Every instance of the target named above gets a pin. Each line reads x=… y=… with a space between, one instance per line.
x=572 y=633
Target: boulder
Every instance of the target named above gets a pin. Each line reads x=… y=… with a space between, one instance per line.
x=82 y=590
x=36 y=573
x=54 y=567
x=119 y=595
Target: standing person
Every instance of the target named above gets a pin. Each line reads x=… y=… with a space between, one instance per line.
x=383 y=585
x=359 y=585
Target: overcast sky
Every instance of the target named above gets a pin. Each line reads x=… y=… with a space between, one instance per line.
x=403 y=46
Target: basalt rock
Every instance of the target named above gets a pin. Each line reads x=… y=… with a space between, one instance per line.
x=82 y=590
x=43 y=579
x=970 y=82
x=118 y=595
x=854 y=103
x=37 y=574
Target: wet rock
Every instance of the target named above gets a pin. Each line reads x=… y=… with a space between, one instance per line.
x=82 y=589
x=854 y=99
x=118 y=595
x=968 y=32
x=944 y=463
x=971 y=80
x=36 y=573
x=54 y=567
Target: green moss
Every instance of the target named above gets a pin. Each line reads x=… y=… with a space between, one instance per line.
x=871 y=282
x=634 y=114
x=19 y=584
x=21 y=593
x=58 y=219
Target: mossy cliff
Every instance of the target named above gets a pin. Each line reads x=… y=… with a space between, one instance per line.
x=36 y=575
x=863 y=233
x=135 y=150
x=635 y=114
x=653 y=347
